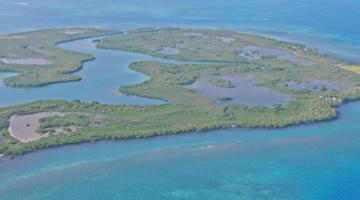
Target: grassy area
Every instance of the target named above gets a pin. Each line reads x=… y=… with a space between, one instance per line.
x=187 y=110
x=351 y=68
x=64 y=121
x=203 y=45
x=37 y=59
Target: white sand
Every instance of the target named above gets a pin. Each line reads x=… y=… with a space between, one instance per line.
x=26 y=61
x=227 y=40
x=12 y=37
x=76 y=31
x=193 y=34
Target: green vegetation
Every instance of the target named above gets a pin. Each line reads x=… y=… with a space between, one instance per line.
x=67 y=123
x=200 y=45
x=64 y=121
x=226 y=98
x=37 y=59
x=186 y=110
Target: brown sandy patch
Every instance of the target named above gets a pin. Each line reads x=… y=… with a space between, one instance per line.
x=23 y=128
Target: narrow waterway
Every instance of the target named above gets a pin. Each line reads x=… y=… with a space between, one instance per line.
x=101 y=79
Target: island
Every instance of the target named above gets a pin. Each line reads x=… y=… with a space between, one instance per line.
x=213 y=79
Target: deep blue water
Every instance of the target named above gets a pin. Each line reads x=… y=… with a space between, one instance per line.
x=332 y=23
x=310 y=162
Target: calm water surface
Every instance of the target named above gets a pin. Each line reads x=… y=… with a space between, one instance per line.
x=101 y=79
x=331 y=23
x=313 y=162
x=319 y=161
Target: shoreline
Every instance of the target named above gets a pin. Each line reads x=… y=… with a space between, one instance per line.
x=324 y=46
x=204 y=131
x=308 y=39
x=258 y=33
x=193 y=131
x=198 y=129
x=79 y=68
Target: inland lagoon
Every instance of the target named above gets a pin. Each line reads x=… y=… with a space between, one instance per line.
x=242 y=89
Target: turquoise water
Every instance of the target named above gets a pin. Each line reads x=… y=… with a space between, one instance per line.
x=319 y=161
x=328 y=22
x=310 y=162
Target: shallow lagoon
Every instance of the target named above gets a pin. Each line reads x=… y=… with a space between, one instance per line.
x=243 y=90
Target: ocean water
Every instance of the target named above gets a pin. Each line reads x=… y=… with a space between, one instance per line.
x=331 y=23
x=319 y=161
x=309 y=162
